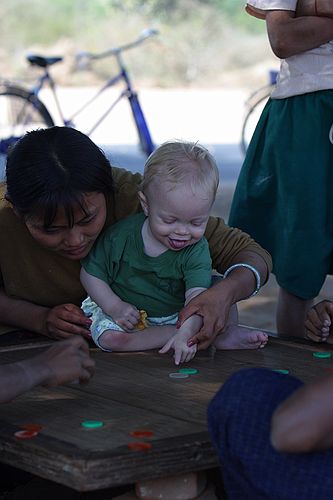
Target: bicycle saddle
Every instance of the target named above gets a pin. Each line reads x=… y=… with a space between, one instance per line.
x=41 y=61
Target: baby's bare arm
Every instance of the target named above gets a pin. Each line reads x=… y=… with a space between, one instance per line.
x=124 y=314
x=183 y=350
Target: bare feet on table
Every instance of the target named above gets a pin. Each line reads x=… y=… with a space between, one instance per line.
x=240 y=337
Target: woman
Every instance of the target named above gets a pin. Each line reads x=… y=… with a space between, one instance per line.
x=60 y=194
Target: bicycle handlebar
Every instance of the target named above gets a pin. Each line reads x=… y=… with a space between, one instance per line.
x=115 y=51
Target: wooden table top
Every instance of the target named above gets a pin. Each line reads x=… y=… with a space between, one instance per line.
x=132 y=391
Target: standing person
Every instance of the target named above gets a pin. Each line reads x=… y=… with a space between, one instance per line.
x=283 y=195
x=159 y=259
x=60 y=194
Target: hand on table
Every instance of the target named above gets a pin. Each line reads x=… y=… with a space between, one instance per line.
x=319 y=321
x=182 y=351
x=66 y=361
x=65 y=320
x=214 y=310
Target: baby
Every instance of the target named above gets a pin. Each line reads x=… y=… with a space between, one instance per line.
x=155 y=261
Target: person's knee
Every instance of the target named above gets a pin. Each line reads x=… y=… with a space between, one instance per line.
x=239 y=386
x=233 y=394
x=230 y=404
x=241 y=401
x=248 y=391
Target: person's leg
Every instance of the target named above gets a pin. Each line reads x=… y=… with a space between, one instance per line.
x=109 y=336
x=291 y=314
x=239 y=419
x=235 y=336
x=153 y=337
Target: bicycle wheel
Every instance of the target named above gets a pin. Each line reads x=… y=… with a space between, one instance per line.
x=20 y=112
x=251 y=119
x=146 y=143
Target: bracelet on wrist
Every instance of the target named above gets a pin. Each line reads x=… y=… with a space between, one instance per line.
x=251 y=268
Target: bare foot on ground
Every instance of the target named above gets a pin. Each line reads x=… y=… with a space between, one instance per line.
x=240 y=337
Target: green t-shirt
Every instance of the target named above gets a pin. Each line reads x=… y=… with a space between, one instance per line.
x=155 y=284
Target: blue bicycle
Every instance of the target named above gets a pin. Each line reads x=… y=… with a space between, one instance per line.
x=22 y=110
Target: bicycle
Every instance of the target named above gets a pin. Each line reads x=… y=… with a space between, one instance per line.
x=22 y=110
x=254 y=106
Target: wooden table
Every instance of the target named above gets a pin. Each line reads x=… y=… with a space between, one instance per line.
x=129 y=392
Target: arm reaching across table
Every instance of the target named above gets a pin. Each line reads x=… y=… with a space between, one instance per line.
x=66 y=361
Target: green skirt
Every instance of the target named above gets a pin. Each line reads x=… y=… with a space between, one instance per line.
x=284 y=194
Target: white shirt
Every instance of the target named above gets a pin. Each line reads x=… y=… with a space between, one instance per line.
x=305 y=72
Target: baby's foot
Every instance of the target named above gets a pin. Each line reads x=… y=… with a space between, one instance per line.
x=240 y=337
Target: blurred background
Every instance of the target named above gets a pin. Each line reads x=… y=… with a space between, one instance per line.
x=205 y=43
x=193 y=79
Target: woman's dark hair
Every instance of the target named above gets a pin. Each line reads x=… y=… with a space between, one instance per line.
x=52 y=168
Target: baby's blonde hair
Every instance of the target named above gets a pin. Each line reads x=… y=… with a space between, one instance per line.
x=179 y=162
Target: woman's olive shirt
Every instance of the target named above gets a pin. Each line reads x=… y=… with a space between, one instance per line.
x=33 y=273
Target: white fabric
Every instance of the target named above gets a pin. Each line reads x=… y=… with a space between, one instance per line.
x=102 y=322
x=274 y=4
x=306 y=72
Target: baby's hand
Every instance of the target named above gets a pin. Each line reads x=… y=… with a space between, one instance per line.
x=183 y=353
x=319 y=321
x=125 y=315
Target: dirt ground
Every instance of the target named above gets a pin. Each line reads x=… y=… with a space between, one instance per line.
x=259 y=311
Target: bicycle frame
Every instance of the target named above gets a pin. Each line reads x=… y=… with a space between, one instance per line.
x=122 y=75
x=69 y=122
